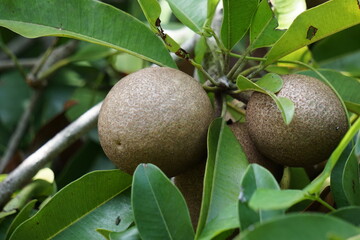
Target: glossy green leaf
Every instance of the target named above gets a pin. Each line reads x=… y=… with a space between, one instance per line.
x=350 y=214
x=302 y=226
x=193 y=14
x=271 y=82
x=237 y=18
x=285 y=105
x=286 y=11
x=271 y=199
x=345 y=178
x=115 y=215
x=87 y=20
x=158 y=206
x=263 y=32
x=347 y=87
x=37 y=188
x=152 y=11
x=313 y=25
x=23 y=215
x=129 y=234
x=255 y=177
x=336 y=46
x=77 y=200
x=211 y=8
x=226 y=164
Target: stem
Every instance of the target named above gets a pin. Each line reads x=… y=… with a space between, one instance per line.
x=44 y=58
x=324 y=203
x=249 y=70
x=237 y=65
x=239 y=110
x=19 y=132
x=12 y=56
x=31 y=165
x=201 y=69
x=247 y=57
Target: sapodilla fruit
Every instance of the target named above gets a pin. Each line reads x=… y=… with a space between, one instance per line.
x=253 y=155
x=156 y=115
x=318 y=125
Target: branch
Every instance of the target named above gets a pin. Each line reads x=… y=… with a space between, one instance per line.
x=19 y=132
x=27 y=169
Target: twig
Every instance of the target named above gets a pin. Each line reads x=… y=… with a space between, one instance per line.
x=17 y=45
x=19 y=132
x=12 y=56
x=26 y=170
x=27 y=62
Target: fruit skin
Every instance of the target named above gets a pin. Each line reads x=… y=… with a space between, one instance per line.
x=253 y=155
x=156 y=115
x=318 y=125
x=190 y=184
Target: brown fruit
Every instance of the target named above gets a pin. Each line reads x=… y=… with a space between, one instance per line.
x=190 y=184
x=253 y=155
x=156 y=115
x=319 y=122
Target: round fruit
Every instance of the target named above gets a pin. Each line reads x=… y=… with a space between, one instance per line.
x=156 y=115
x=318 y=125
x=253 y=155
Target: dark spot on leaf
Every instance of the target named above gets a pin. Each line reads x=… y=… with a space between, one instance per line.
x=311 y=32
x=117 y=221
x=37 y=223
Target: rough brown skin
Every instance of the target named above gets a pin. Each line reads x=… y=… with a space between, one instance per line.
x=318 y=125
x=190 y=184
x=156 y=115
x=253 y=155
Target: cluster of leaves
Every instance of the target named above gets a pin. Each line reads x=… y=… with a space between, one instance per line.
x=236 y=195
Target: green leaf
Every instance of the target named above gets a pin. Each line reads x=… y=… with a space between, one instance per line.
x=285 y=105
x=72 y=203
x=190 y=13
x=347 y=87
x=129 y=234
x=152 y=11
x=345 y=183
x=263 y=32
x=350 y=214
x=226 y=164
x=271 y=199
x=114 y=215
x=271 y=82
x=24 y=214
x=211 y=8
x=158 y=206
x=309 y=226
x=237 y=18
x=313 y=25
x=87 y=20
x=255 y=177
x=286 y=11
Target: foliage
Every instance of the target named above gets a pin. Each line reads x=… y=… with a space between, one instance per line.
x=64 y=56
